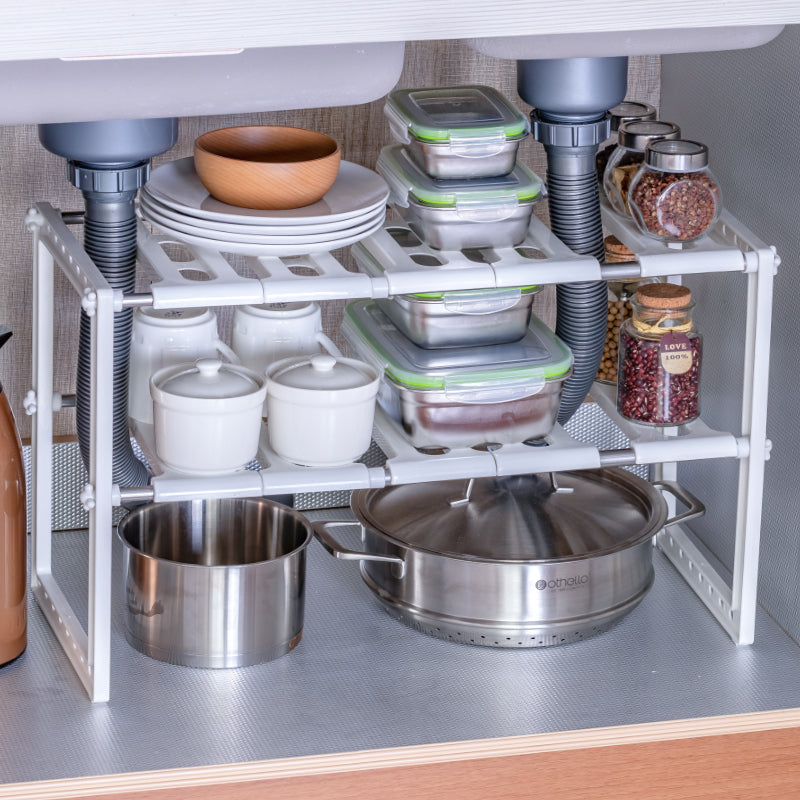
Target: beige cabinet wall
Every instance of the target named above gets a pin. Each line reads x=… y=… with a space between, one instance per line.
x=28 y=174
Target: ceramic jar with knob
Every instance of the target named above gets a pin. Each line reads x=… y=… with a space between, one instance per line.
x=320 y=409
x=207 y=416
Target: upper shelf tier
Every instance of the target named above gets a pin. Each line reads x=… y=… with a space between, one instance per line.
x=541 y=259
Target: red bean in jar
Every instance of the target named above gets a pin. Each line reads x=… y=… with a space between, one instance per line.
x=660 y=353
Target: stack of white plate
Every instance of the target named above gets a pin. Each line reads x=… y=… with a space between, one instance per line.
x=176 y=201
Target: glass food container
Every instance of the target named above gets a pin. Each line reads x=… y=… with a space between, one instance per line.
x=459 y=214
x=457 y=132
x=628 y=156
x=464 y=318
x=659 y=357
x=462 y=396
x=627 y=111
x=674 y=196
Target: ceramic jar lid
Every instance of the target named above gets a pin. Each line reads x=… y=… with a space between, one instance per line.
x=322 y=372
x=209 y=378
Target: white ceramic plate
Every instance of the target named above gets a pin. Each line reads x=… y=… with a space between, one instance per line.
x=296 y=247
x=152 y=207
x=356 y=190
x=248 y=237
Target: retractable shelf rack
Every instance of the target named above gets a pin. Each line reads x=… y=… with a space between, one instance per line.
x=541 y=259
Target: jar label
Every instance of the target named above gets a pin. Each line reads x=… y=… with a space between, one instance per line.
x=675 y=353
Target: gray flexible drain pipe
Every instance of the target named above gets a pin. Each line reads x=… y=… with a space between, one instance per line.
x=109 y=162
x=571 y=97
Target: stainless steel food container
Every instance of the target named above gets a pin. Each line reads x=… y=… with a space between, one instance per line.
x=460 y=214
x=454 y=318
x=214 y=583
x=462 y=396
x=451 y=228
x=457 y=132
x=520 y=561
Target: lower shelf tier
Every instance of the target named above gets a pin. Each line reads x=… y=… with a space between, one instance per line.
x=607 y=442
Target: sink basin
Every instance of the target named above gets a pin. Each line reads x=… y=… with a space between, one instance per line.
x=259 y=79
x=625 y=43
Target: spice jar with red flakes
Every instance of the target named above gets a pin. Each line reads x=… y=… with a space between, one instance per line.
x=660 y=352
x=674 y=196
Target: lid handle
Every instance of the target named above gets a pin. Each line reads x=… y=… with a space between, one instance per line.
x=480 y=392
x=481 y=301
x=208 y=367
x=468 y=144
x=488 y=209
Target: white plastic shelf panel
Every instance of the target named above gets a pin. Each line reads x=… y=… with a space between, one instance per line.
x=540 y=260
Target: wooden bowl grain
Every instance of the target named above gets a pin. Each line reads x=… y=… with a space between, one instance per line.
x=266 y=166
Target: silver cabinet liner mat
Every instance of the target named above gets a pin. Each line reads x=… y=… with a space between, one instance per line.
x=361 y=680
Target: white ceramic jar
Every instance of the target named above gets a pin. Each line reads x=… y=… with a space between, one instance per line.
x=320 y=409
x=272 y=331
x=207 y=416
x=165 y=337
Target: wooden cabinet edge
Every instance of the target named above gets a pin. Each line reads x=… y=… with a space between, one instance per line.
x=353 y=775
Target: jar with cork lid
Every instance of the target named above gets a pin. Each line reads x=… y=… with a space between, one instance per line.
x=619 y=308
x=660 y=353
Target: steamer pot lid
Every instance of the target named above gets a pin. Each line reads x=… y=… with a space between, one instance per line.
x=518 y=518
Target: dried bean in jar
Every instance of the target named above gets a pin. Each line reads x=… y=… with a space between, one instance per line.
x=647 y=392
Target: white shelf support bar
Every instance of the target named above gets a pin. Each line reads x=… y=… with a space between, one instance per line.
x=89 y=650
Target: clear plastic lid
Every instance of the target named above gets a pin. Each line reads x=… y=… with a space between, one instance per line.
x=463 y=116
x=472 y=374
x=478 y=198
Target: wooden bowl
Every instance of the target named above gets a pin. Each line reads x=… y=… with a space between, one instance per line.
x=266 y=166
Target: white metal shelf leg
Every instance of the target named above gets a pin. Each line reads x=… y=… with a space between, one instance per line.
x=88 y=651
x=754 y=426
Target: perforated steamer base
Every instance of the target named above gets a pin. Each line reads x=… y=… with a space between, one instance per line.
x=495 y=634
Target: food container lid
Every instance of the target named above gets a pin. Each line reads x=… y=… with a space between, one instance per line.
x=488 y=373
x=369 y=264
x=480 y=199
x=208 y=378
x=321 y=372
x=630 y=110
x=603 y=511
x=638 y=134
x=677 y=155
x=471 y=120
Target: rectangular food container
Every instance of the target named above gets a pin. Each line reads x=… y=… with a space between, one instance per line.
x=454 y=318
x=463 y=396
x=457 y=132
x=460 y=214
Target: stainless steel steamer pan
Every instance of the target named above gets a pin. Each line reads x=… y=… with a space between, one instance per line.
x=511 y=562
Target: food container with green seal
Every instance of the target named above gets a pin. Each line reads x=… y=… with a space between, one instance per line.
x=460 y=214
x=462 y=396
x=463 y=318
x=459 y=131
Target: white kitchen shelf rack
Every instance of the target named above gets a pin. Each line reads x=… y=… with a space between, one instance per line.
x=208 y=278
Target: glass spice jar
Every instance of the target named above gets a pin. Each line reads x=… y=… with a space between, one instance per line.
x=660 y=352
x=628 y=157
x=626 y=111
x=674 y=196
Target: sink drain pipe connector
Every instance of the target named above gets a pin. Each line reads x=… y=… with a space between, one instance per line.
x=571 y=98
x=109 y=161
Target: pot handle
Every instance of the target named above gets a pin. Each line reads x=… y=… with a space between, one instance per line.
x=324 y=537
x=694 y=507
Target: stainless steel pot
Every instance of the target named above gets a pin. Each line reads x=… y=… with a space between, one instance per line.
x=214 y=583
x=520 y=561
